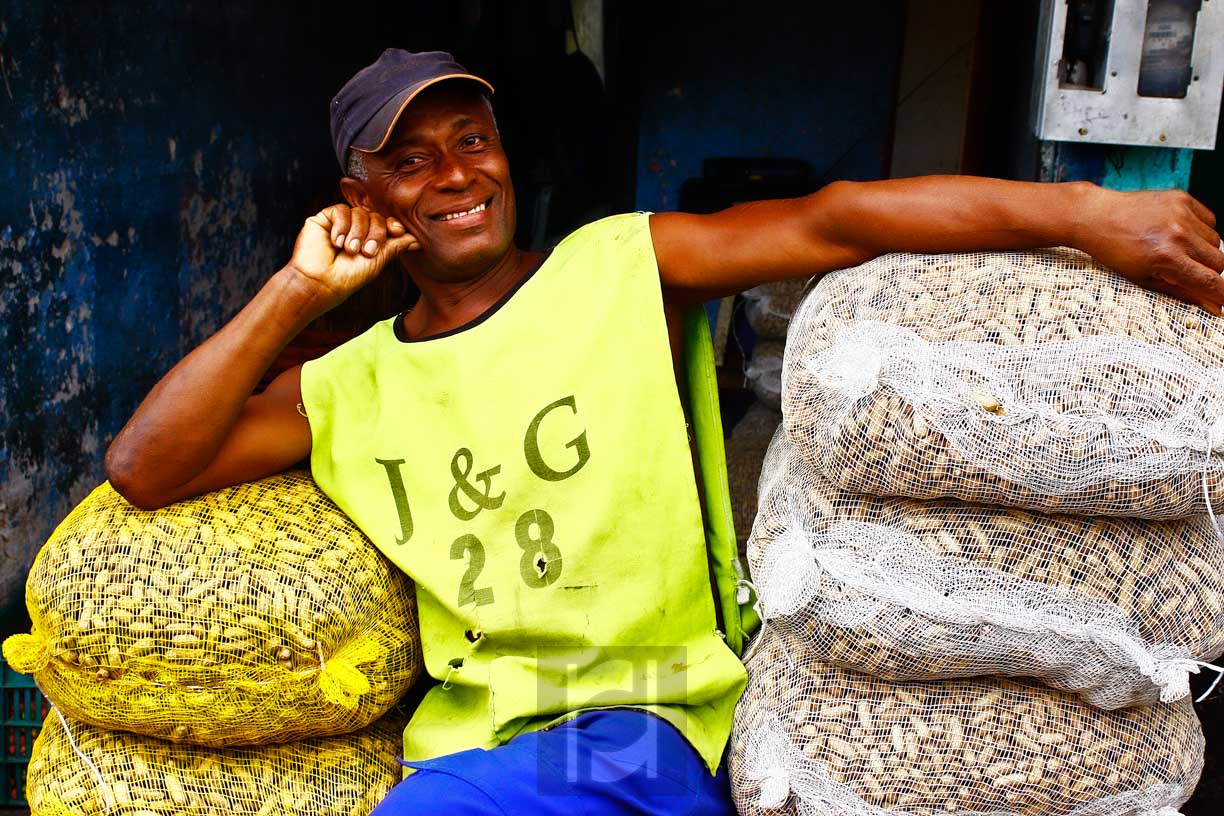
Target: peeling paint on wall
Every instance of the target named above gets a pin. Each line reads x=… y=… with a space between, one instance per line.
x=152 y=184
x=225 y=257
x=1117 y=167
x=50 y=428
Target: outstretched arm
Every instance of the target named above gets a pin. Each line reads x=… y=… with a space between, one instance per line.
x=1163 y=240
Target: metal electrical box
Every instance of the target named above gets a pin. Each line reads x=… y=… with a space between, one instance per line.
x=1130 y=72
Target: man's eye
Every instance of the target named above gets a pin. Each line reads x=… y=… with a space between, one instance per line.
x=410 y=161
x=473 y=140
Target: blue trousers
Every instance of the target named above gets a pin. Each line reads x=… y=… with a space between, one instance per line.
x=602 y=763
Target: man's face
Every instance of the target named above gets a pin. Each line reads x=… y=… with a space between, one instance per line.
x=444 y=175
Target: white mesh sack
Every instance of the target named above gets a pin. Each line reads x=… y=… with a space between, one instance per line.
x=764 y=372
x=810 y=739
x=1035 y=379
x=770 y=307
x=1118 y=610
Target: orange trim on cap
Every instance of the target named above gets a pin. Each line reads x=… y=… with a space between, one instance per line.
x=413 y=96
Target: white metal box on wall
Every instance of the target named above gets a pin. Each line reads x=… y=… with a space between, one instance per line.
x=1130 y=72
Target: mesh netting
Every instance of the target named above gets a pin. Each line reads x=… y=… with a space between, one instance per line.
x=813 y=739
x=1111 y=608
x=1034 y=379
x=111 y=773
x=764 y=372
x=258 y=613
x=770 y=306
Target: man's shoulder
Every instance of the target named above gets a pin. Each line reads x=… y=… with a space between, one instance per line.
x=352 y=352
x=607 y=232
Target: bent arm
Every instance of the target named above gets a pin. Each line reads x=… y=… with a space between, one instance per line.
x=1162 y=240
x=200 y=428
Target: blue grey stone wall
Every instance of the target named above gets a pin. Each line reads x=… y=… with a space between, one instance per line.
x=155 y=162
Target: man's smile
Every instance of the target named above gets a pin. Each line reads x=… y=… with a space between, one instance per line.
x=465 y=216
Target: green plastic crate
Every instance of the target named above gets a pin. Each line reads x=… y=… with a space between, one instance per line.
x=24 y=709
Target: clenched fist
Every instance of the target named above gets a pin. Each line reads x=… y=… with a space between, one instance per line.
x=343 y=248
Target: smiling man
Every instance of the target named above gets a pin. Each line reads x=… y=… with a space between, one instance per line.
x=516 y=443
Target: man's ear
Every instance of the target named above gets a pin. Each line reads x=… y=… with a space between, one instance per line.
x=354 y=192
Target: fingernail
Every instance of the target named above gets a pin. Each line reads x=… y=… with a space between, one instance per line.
x=395 y=225
x=354 y=245
x=338 y=240
x=371 y=247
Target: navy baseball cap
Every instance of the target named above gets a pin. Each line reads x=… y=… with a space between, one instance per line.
x=365 y=111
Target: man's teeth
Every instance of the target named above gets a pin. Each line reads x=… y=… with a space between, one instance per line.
x=452 y=216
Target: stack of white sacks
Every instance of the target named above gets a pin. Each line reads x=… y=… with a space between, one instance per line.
x=984 y=549
x=769 y=309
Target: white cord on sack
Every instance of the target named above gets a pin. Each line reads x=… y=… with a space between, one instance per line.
x=1173 y=677
x=1219 y=673
x=1206 y=490
x=106 y=791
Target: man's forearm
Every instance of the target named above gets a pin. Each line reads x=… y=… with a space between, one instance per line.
x=181 y=424
x=847 y=223
x=954 y=214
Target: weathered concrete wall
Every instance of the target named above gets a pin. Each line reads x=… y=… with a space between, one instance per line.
x=155 y=162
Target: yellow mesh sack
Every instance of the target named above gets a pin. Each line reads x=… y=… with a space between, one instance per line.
x=112 y=773
x=259 y=613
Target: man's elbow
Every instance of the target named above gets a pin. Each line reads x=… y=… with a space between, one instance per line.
x=123 y=476
x=840 y=219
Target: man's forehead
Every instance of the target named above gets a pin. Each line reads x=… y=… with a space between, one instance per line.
x=442 y=112
x=409 y=132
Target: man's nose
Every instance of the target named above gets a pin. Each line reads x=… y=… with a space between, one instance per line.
x=453 y=172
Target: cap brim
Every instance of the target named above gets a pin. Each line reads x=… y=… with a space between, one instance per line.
x=380 y=126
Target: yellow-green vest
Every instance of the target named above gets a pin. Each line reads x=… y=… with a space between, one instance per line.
x=531 y=472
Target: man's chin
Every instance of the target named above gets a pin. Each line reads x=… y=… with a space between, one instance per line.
x=466 y=261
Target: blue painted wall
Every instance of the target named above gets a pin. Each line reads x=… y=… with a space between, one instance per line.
x=813 y=81
x=1116 y=166
x=156 y=160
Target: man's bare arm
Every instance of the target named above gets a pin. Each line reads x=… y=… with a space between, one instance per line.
x=200 y=428
x=1161 y=240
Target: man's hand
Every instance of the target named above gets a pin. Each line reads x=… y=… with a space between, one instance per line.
x=343 y=248
x=1161 y=240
